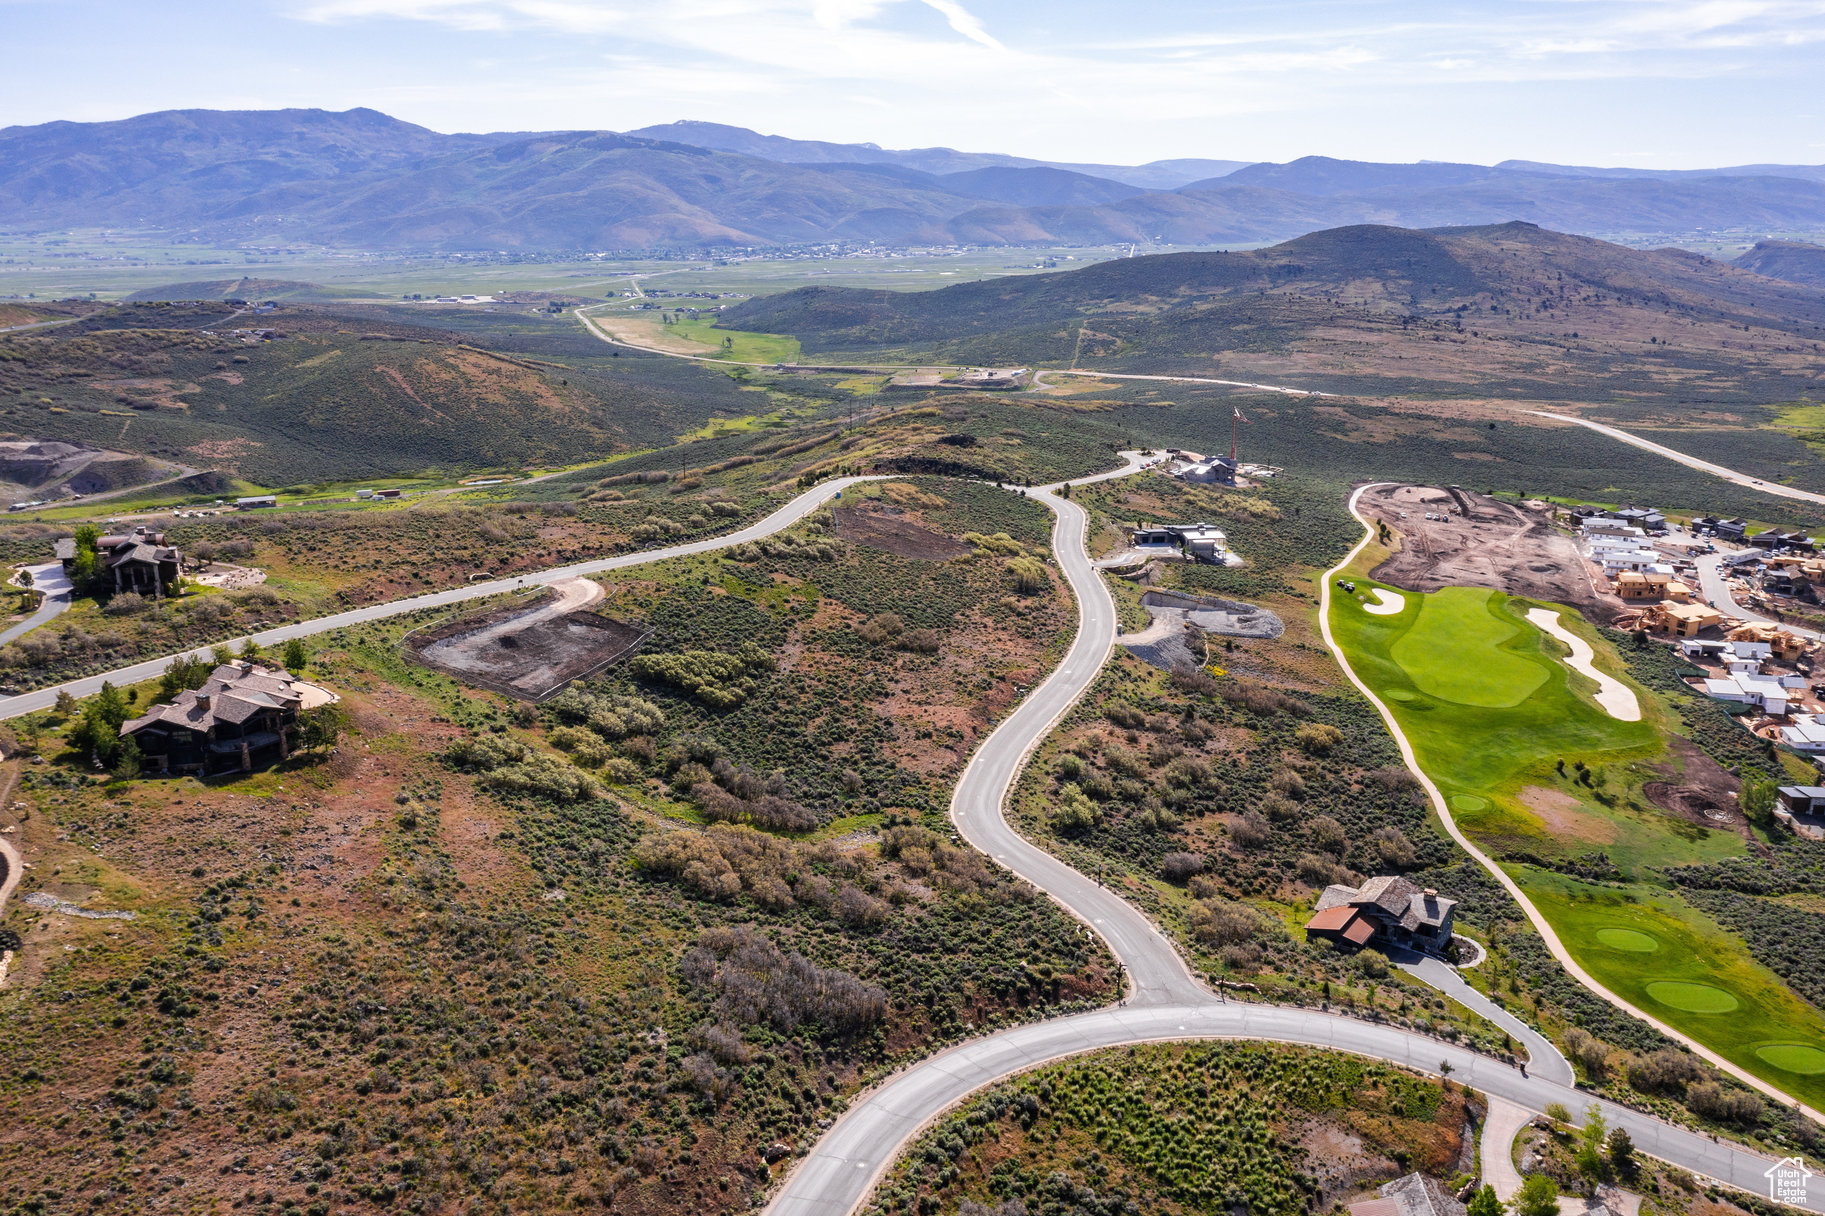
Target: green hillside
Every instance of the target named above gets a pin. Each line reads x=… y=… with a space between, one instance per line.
x=1511 y=309
x=333 y=396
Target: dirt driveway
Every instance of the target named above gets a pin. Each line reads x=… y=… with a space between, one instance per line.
x=1477 y=541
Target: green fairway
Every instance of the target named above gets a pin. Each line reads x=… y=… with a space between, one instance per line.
x=1698 y=980
x=1460 y=621
x=1531 y=765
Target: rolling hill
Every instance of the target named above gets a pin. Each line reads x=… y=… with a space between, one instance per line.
x=341 y=395
x=1511 y=309
x=1155 y=175
x=1794 y=261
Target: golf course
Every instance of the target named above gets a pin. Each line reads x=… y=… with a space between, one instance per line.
x=1538 y=773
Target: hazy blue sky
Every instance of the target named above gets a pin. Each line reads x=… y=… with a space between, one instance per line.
x=1662 y=83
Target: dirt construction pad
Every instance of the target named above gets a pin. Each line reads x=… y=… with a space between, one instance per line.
x=1477 y=541
x=528 y=652
x=888 y=531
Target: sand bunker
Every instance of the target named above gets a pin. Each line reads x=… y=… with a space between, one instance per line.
x=1387 y=602
x=1612 y=694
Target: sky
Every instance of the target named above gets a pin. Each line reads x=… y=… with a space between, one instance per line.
x=1643 y=83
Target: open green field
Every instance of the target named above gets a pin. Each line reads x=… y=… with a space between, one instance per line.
x=1491 y=711
x=744 y=347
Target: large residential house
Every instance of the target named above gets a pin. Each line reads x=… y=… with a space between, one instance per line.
x=1385 y=911
x=136 y=561
x=1203 y=542
x=244 y=716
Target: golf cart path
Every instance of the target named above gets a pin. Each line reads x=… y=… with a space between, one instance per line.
x=1443 y=809
x=1616 y=698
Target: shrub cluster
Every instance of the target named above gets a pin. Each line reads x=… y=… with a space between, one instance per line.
x=755 y=983
x=720 y=679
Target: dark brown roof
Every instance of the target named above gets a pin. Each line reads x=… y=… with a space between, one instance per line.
x=1346 y=922
x=234 y=693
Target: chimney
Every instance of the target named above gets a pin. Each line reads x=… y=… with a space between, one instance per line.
x=1431 y=891
x=202 y=700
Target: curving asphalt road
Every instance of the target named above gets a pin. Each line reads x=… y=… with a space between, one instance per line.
x=1167 y=1003
x=49 y=578
x=783 y=518
x=1715 y=587
x=1691 y=462
x=1443 y=810
x=1155 y=971
x=1096 y=375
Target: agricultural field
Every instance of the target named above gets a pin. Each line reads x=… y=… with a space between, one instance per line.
x=615 y=948
x=692 y=335
x=1575 y=804
x=1186 y=1128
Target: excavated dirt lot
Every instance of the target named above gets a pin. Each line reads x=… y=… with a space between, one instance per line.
x=523 y=652
x=884 y=528
x=1702 y=793
x=1490 y=544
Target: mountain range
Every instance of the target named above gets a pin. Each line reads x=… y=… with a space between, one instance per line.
x=361 y=179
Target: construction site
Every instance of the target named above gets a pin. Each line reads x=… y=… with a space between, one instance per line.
x=529 y=651
x=1453 y=537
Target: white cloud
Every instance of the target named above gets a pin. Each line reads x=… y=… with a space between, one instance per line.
x=964 y=23
x=1083 y=81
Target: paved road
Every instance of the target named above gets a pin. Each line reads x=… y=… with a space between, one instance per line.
x=50 y=578
x=1443 y=809
x=1500 y=1126
x=1715 y=587
x=1155 y=971
x=1166 y=1002
x=1691 y=462
x=590 y=324
x=839 y=1173
x=783 y=518
x=1095 y=375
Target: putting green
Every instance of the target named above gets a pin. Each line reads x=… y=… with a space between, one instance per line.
x=1633 y=941
x=1469 y=802
x=1794 y=1057
x=1454 y=652
x=1692 y=998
